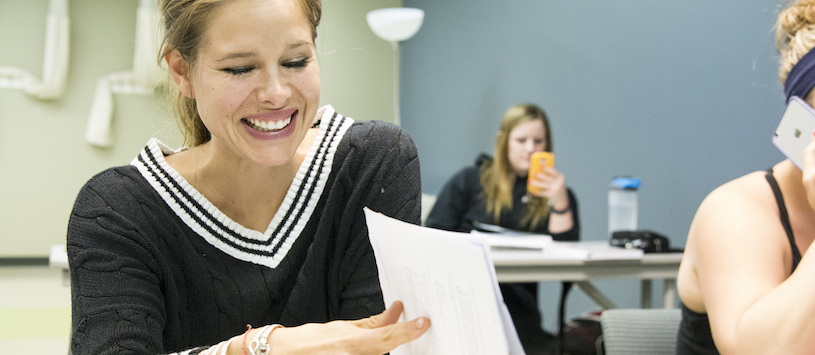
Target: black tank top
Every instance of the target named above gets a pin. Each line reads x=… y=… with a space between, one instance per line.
x=694 y=329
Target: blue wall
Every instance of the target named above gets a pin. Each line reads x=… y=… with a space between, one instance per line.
x=682 y=93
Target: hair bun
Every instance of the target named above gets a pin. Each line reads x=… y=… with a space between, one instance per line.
x=795 y=34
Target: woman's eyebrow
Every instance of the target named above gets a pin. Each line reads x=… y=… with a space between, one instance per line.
x=236 y=55
x=299 y=44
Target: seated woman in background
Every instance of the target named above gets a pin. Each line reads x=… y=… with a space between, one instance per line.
x=746 y=279
x=259 y=221
x=494 y=191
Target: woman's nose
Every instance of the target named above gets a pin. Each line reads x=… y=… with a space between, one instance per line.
x=531 y=147
x=273 y=89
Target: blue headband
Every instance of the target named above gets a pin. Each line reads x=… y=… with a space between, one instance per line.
x=801 y=78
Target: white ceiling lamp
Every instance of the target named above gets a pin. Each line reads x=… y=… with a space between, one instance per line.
x=394 y=25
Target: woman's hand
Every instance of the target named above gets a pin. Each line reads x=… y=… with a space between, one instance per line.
x=809 y=171
x=377 y=334
x=552 y=185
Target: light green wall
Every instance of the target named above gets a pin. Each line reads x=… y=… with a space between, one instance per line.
x=44 y=160
x=356 y=66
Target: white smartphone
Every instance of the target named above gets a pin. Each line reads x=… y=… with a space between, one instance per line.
x=795 y=130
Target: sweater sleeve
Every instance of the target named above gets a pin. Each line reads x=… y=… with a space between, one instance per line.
x=117 y=299
x=383 y=167
x=117 y=305
x=399 y=191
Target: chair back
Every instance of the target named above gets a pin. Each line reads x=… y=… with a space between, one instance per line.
x=427 y=204
x=640 y=331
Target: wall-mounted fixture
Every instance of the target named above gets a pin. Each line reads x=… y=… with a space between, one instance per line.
x=394 y=25
x=146 y=74
x=55 y=59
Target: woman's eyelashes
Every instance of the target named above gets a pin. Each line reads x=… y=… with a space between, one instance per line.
x=237 y=70
x=524 y=140
x=302 y=63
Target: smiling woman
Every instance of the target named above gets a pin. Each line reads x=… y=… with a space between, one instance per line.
x=259 y=220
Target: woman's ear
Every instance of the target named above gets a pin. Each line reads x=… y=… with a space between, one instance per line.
x=180 y=70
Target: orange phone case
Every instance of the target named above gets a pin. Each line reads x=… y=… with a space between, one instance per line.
x=537 y=162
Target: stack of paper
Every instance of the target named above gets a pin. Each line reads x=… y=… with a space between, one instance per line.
x=586 y=251
x=502 y=241
x=591 y=251
x=448 y=277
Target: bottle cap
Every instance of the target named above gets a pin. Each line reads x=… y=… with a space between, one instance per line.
x=627 y=183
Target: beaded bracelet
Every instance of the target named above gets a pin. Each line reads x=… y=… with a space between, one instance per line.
x=259 y=345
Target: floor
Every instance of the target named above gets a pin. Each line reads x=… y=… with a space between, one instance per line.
x=35 y=310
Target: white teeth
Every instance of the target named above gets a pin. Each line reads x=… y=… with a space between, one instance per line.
x=268 y=125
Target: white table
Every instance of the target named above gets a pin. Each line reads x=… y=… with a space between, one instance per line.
x=533 y=266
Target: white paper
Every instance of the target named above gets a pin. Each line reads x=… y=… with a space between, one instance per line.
x=447 y=277
x=596 y=250
x=504 y=241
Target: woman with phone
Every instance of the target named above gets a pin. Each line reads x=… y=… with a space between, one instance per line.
x=500 y=192
x=746 y=279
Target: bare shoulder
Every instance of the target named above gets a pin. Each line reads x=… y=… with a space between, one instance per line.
x=744 y=197
x=742 y=211
x=736 y=248
x=732 y=218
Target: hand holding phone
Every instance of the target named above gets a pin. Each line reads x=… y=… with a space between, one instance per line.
x=794 y=132
x=537 y=162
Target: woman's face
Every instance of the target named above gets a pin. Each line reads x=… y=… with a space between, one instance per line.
x=526 y=138
x=256 y=81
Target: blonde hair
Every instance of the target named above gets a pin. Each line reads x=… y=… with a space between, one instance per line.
x=498 y=176
x=794 y=34
x=185 y=23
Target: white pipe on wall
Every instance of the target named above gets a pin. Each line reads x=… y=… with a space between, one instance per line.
x=145 y=75
x=55 y=60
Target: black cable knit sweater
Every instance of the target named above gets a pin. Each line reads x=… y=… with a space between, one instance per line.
x=156 y=268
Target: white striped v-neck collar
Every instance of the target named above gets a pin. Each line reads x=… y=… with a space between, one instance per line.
x=267 y=248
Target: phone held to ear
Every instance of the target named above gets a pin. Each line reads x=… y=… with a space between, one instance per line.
x=537 y=162
x=795 y=130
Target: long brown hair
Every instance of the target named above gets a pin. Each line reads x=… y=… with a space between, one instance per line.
x=185 y=22
x=498 y=177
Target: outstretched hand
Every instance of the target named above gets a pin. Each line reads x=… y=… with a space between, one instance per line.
x=374 y=335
